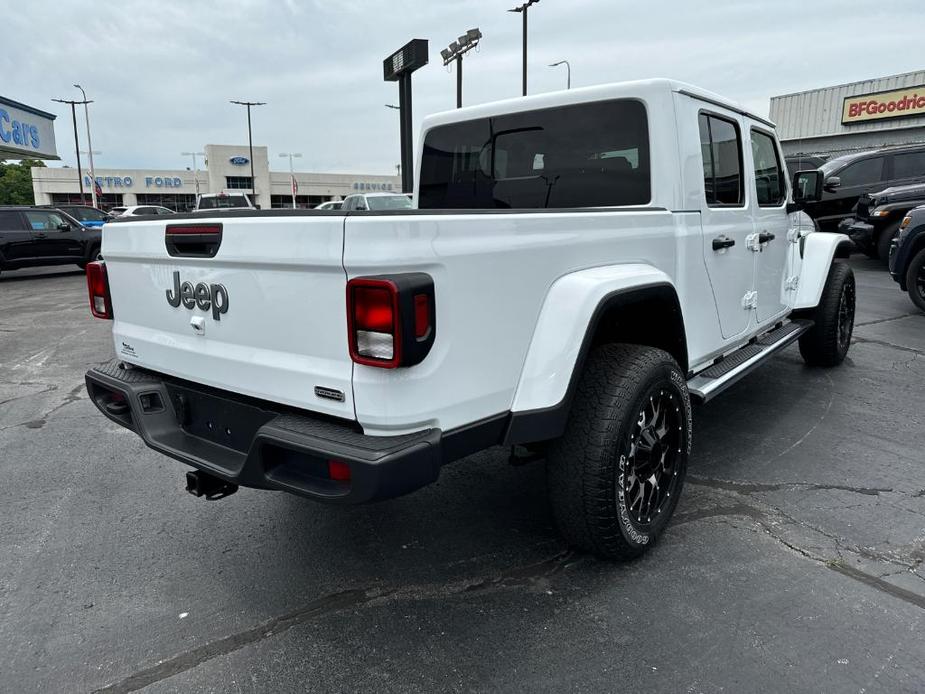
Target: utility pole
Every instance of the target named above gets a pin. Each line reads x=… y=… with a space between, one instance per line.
x=398 y=68
x=293 y=186
x=80 y=177
x=522 y=9
x=456 y=51
x=89 y=143
x=250 y=142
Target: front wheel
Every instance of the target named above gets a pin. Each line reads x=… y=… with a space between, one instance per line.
x=93 y=255
x=885 y=240
x=827 y=342
x=616 y=474
x=915 y=279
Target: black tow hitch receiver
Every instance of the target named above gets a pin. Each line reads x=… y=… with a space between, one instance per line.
x=213 y=488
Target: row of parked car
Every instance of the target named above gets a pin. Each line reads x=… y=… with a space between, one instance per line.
x=874 y=197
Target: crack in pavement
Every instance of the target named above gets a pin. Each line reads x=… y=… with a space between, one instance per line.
x=885 y=320
x=884 y=343
x=747 y=488
x=335 y=602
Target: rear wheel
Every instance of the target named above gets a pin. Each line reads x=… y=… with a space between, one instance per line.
x=884 y=241
x=616 y=474
x=915 y=279
x=827 y=342
x=93 y=255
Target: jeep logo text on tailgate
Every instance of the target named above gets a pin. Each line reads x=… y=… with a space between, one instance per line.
x=203 y=295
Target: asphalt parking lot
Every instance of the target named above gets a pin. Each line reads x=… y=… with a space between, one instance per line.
x=794 y=562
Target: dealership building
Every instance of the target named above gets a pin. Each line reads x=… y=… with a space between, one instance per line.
x=225 y=168
x=853 y=117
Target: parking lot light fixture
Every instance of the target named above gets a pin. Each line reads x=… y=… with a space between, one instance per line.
x=567 y=67
x=522 y=9
x=89 y=143
x=80 y=177
x=455 y=51
x=250 y=141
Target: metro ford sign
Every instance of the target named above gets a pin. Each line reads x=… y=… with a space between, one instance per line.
x=899 y=103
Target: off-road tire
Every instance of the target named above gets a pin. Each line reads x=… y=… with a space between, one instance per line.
x=590 y=466
x=827 y=342
x=915 y=279
x=884 y=241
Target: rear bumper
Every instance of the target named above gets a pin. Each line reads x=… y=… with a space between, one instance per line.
x=253 y=443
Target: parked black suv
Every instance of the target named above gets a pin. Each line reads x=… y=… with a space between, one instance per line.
x=907 y=257
x=33 y=236
x=85 y=214
x=848 y=177
x=876 y=219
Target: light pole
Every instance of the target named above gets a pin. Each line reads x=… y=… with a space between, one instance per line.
x=250 y=141
x=456 y=51
x=89 y=142
x=393 y=106
x=195 y=168
x=567 y=67
x=80 y=177
x=523 y=10
x=398 y=67
x=292 y=184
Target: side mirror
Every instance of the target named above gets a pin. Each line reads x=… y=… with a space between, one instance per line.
x=831 y=183
x=64 y=226
x=807 y=187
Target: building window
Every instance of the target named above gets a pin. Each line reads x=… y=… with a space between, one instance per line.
x=301 y=201
x=239 y=183
x=178 y=202
x=104 y=202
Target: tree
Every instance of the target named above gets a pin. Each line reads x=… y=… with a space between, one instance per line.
x=16 y=182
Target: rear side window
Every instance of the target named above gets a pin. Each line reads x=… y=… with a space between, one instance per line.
x=582 y=155
x=10 y=220
x=769 y=175
x=859 y=173
x=721 y=147
x=910 y=165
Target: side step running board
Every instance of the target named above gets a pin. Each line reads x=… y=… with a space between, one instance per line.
x=714 y=380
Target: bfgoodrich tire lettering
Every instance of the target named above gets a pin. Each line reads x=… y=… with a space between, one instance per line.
x=616 y=474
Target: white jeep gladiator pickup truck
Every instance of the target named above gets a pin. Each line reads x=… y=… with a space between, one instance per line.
x=577 y=268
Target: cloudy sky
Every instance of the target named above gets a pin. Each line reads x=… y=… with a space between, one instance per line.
x=161 y=72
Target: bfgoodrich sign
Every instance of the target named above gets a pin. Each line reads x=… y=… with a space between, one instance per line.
x=900 y=103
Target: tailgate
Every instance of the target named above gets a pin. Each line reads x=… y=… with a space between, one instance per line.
x=267 y=316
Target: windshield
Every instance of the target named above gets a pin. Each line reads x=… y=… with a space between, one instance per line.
x=389 y=202
x=117 y=210
x=223 y=202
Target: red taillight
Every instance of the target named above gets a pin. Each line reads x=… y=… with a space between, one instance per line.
x=421 y=315
x=391 y=319
x=338 y=471
x=98 y=288
x=375 y=335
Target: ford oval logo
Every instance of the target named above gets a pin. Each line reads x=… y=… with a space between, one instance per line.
x=239 y=161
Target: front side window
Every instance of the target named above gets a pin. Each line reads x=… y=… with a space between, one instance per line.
x=44 y=221
x=721 y=148
x=862 y=172
x=910 y=165
x=769 y=176
x=577 y=156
